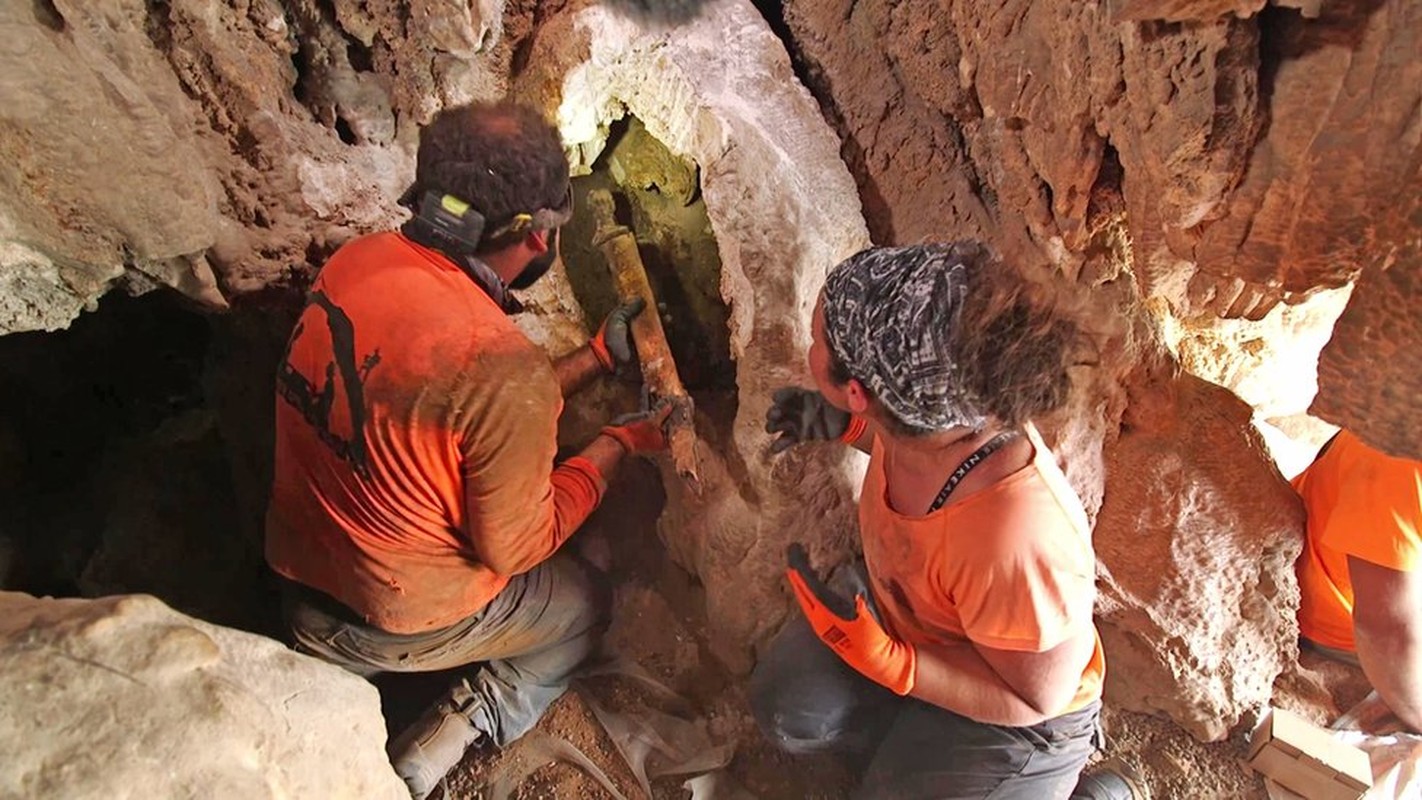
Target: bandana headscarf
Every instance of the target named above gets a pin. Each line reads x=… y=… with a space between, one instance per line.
x=890 y=313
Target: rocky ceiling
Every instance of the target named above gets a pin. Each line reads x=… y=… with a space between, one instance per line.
x=1252 y=151
x=1261 y=151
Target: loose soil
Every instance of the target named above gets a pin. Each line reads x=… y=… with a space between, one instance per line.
x=658 y=621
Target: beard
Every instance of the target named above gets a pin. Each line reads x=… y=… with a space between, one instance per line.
x=539 y=266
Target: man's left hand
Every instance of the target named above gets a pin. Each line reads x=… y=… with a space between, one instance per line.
x=612 y=344
x=850 y=629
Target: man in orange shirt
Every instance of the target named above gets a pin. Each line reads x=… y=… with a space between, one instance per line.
x=417 y=514
x=971 y=617
x=1360 y=574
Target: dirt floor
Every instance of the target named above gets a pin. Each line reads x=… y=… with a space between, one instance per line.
x=1177 y=766
x=658 y=623
x=1174 y=764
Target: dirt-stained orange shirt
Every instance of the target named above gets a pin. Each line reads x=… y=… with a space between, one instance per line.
x=1009 y=567
x=1361 y=503
x=415 y=437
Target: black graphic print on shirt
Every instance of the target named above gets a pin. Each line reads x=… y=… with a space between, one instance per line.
x=315 y=401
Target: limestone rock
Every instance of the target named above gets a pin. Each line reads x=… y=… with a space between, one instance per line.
x=124 y=697
x=1008 y=118
x=1272 y=363
x=303 y=158
x=719 y=92
x=99 y=174
x=432 y=53
x=1367 y=376
x=1342 y=93
x=216 y=148
x=905 y=146
x=1196 y=544
x=1192 y=10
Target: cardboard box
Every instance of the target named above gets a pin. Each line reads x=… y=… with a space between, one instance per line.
x=1307 y=760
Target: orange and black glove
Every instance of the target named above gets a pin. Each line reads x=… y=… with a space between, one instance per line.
x=643 y=431
x=803 y=415
x=612 y=344
x=849 y=628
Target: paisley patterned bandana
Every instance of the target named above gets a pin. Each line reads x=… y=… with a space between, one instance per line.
x=890 y=315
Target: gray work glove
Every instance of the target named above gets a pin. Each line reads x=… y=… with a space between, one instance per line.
x=799 y=561
x=802 y=415
x=612 y=344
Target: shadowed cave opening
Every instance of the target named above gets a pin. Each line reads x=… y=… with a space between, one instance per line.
x=114 y=473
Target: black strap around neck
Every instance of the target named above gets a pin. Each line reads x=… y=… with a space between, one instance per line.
x=979 y=456
x=425 y=235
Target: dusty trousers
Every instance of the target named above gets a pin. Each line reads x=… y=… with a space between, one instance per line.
x=521 y=649
x=807 y=700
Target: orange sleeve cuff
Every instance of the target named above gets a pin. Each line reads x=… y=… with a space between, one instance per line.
x=577 y=490
x=622 y=437
x=599 y=351
x=855 y=429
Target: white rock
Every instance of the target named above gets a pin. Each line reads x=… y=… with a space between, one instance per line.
x=102 y=166
x=122 y=697
x=720 y=92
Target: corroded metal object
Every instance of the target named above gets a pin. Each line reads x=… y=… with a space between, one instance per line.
x=659 y=373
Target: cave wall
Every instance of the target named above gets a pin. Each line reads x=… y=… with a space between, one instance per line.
x=1367 y=374
x=1225 y=128
x=215 y=147
x=719 y=92
x=1263 y=151
x=1190 y=169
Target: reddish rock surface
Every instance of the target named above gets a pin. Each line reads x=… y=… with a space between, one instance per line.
x=1214 y=158
x=1197 y=540
x=1226 y=130
x=1368 y=377
x=238 y=142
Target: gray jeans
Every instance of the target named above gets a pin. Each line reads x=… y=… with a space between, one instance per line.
x=521 y=649
x=808 y=700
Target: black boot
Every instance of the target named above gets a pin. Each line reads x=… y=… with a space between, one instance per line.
x=1112 y=779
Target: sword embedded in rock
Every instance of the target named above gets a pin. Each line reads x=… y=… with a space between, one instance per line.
x=659 y=373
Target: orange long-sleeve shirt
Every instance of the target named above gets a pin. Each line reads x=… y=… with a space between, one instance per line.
x=415 y=437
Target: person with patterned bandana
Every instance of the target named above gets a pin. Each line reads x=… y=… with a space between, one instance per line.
x=959 y=656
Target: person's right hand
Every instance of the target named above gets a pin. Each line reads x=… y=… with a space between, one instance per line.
x=802 y=415
x=643 y=431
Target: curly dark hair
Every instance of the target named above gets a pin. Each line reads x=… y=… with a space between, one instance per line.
x=502 y=158
x=1017 y=339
